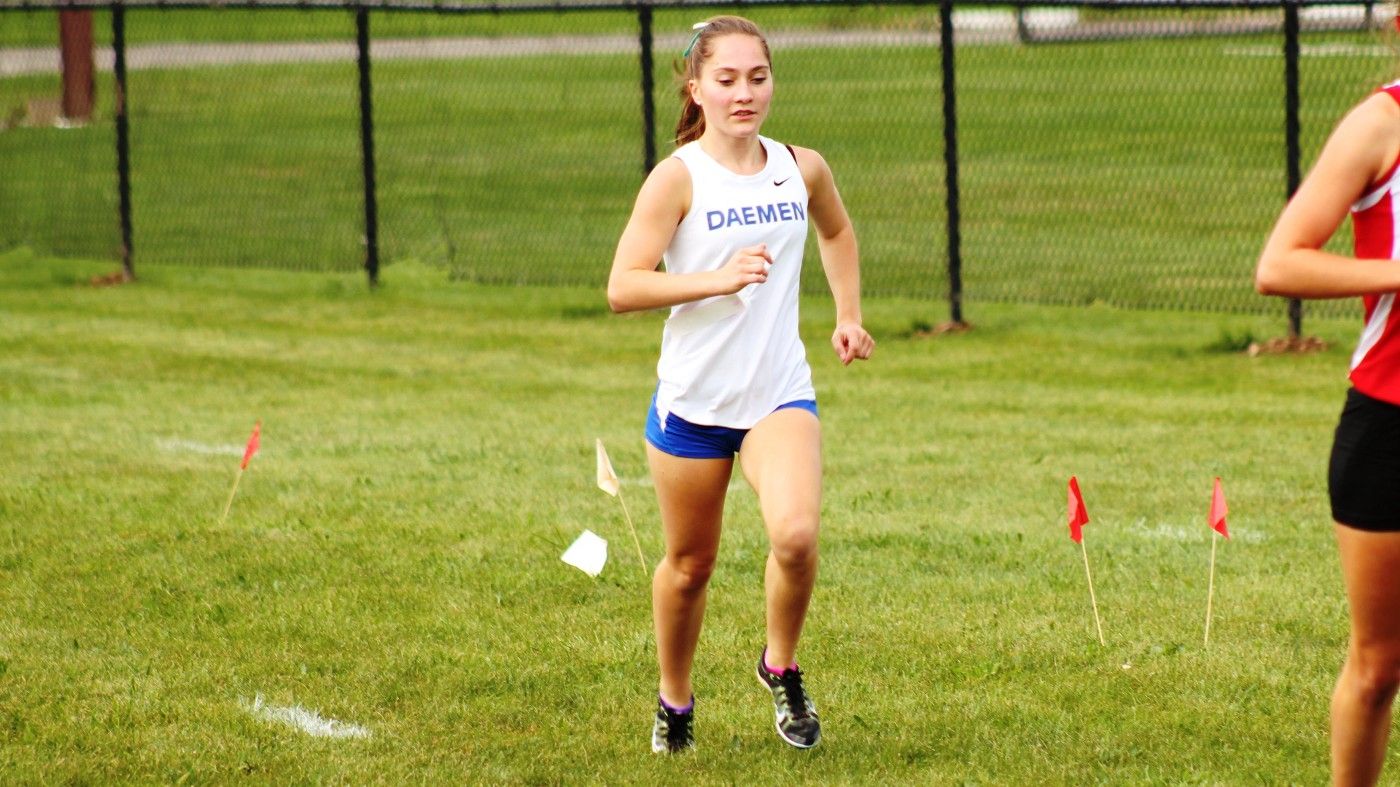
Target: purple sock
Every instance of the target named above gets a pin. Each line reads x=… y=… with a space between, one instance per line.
x=687 y=709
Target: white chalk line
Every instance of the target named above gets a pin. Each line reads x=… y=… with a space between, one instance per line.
x=308 y=721
x=190 y=446
x=1200 y=533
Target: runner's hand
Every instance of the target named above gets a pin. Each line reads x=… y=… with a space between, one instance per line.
x=852 y=342
x=749 y=265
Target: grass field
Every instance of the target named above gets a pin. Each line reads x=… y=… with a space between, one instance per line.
x=1135 y=173
x=392 y=558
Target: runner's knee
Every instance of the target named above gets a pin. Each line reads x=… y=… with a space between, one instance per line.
x=691 y=571
x=793 y=540
x=1375 y=673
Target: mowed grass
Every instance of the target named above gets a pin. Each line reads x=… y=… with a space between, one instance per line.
x=1134 y=173
x=392 y=558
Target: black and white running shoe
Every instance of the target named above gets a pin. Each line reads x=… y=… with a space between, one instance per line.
x=796 y=716
x=673 y=732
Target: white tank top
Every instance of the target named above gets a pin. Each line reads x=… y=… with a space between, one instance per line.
x=731 y=360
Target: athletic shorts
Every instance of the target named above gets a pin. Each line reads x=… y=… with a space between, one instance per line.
x=679 y=437
x=1363 y=476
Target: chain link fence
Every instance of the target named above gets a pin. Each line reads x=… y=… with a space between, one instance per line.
x=1131 y=155
x=1139 y=159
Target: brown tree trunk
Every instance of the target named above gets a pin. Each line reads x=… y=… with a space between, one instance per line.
x=75 y=44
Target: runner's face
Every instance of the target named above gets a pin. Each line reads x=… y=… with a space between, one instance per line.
x=735 y=86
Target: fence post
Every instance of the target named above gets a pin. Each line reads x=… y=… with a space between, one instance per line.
x=648 y=90
x=950 y=161
x=367 y=147
x=123 y=137
x=1291 y=132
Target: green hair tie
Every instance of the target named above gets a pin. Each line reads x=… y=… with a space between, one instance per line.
x=698 y=27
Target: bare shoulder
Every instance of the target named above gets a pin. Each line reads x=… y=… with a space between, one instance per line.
x=667 y=188
x=1379 y=114
x=1381 y=104
x=669 y=175
x=670 y=169
x=1370 y=133
x=815 y=171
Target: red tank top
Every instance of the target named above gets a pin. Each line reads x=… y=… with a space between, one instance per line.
x=1375 y=366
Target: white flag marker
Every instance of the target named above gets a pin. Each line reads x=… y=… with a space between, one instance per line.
x=588 y=553
x=607 y=477
x=607 y=481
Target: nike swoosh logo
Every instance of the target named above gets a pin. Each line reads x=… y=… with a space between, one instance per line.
x=781 y=182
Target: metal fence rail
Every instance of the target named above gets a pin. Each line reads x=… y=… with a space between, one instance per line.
x=1068 y=152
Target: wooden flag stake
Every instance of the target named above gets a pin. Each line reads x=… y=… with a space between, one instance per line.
x=612 y=485
x=231 y=493
x=1085 y=551
x=1210 y=592
x=633 y=528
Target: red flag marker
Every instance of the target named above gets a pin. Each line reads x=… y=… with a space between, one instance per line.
x=1078 y=518
x=253 y=444
x=1218 y=510
x=254 y=441
x=1078 y=514
x=1216 y=520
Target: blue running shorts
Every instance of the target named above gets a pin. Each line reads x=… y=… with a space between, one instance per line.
x=697 y=441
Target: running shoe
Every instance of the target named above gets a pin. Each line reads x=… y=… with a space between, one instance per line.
x=673 y=732
x=796 y=716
